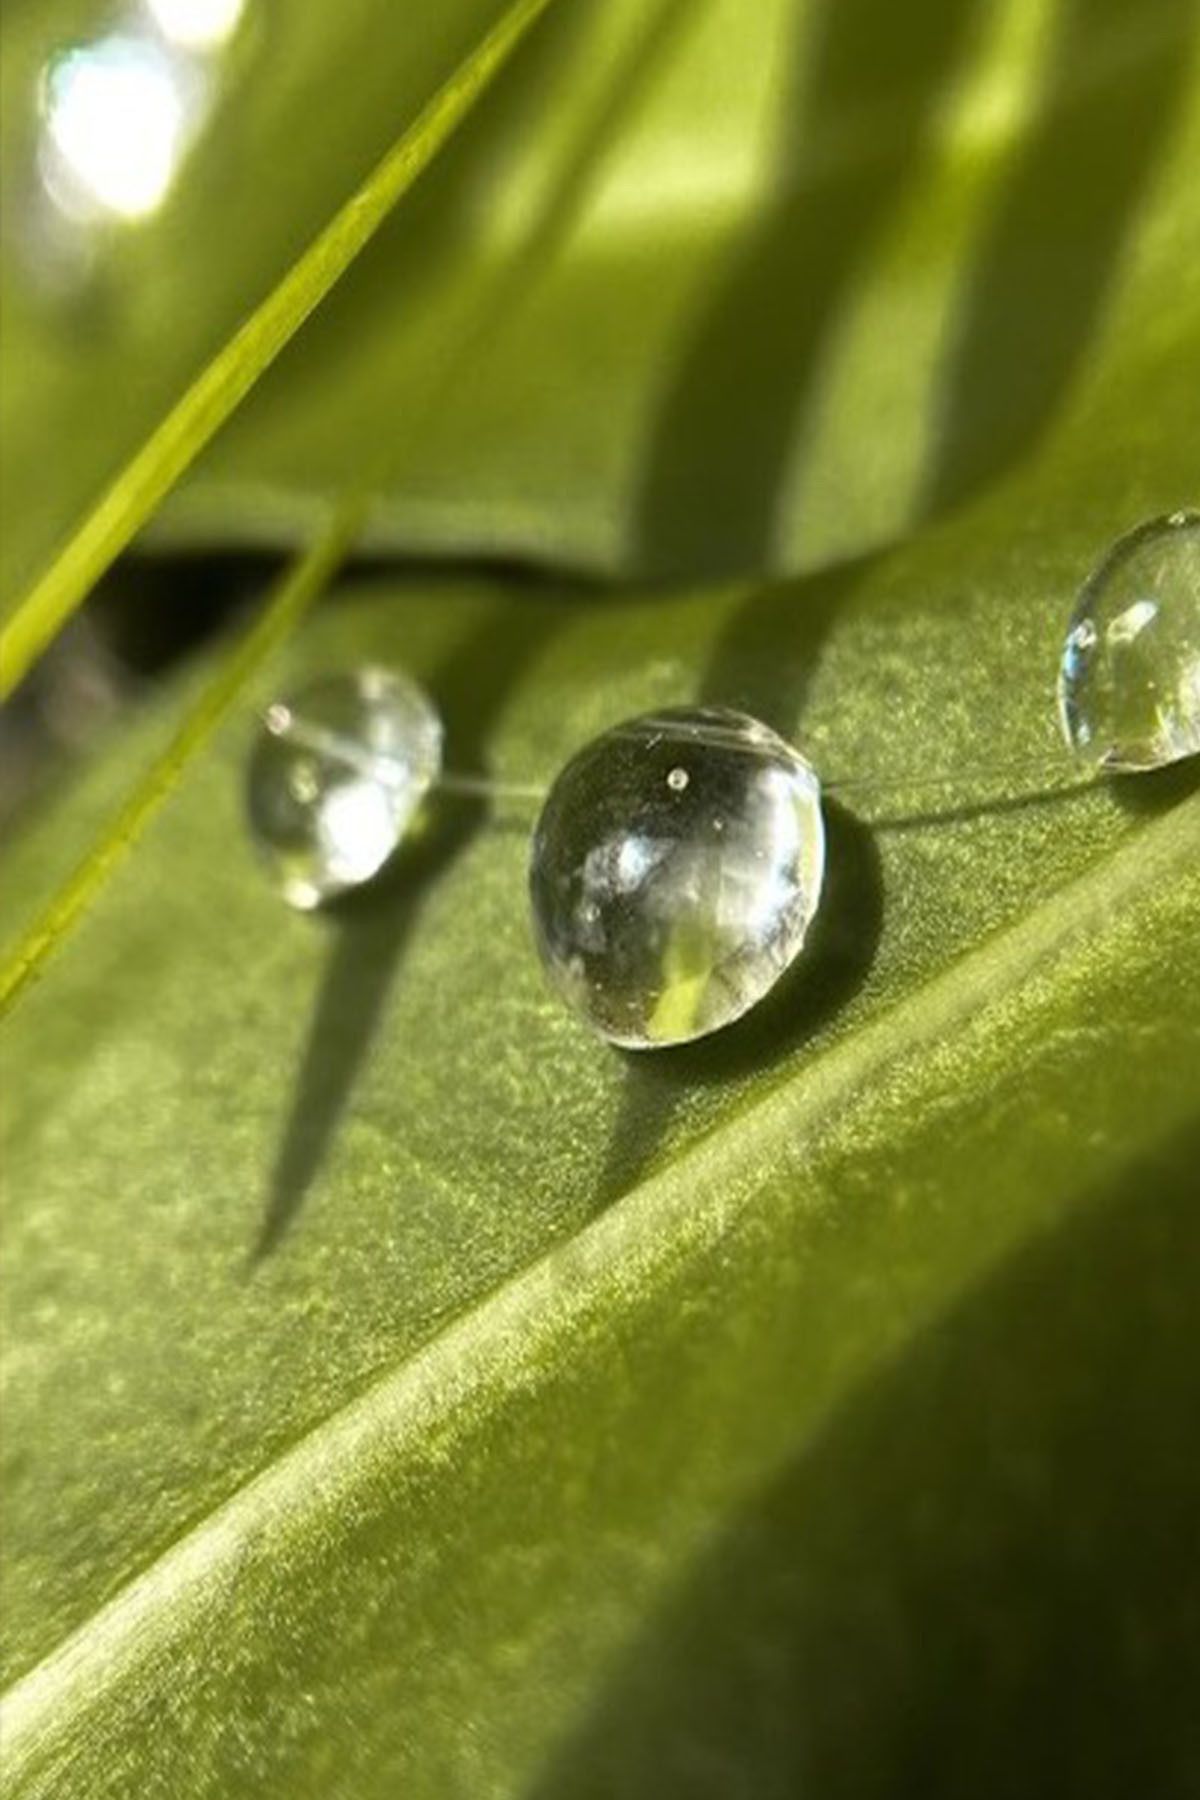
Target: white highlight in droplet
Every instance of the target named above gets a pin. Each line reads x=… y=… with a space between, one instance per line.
x=356 y=827
x=1133 y=621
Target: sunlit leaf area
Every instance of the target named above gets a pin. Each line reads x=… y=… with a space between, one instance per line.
x=600 y=919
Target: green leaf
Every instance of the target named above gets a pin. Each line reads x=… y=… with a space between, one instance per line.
x=406 y=1393
x=391 y=1355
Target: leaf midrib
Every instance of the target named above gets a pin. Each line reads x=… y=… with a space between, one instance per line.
x=320 y=1469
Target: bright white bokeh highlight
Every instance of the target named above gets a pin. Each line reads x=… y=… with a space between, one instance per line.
x=197 y=24
x=116 y=123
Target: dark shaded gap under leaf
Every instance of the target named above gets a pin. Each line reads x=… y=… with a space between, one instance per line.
x=147 y=616
x=823 y=1646
x=298 y=588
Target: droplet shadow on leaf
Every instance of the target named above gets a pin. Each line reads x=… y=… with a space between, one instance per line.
x=1158 y=790
x=764 y=661
x=977 y=1580
x=370 y=929
x=830 y=970
x=766 y=656
x=966 y=811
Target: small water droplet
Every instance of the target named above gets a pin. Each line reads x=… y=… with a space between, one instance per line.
x=1129 y=679
x=336 y=777
x=663 y=911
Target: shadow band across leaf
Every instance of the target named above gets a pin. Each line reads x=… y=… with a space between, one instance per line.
x=740 y=404
x=736 y=406
x=1033 y=1450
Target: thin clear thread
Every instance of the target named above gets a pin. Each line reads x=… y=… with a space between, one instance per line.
x=484 y=787
x=1067 y=780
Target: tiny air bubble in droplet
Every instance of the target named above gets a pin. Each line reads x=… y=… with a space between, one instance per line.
x=1129 y=678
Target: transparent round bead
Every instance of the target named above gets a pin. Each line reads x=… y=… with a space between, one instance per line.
x=675 y=869
x=335 y=778
x=1129 y=680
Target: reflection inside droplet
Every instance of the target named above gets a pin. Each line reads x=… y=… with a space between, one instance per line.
x=197 y=24
x=1129 y=625
x=117 y=116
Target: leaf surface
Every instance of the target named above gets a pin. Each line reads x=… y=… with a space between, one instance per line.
x=416 y=1351
x=405 y=1392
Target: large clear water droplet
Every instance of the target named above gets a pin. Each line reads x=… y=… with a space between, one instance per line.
x=675 y=870
x=1129 y=681
x=336 y=777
